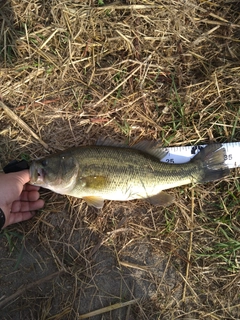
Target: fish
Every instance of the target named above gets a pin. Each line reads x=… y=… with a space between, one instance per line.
x=115 y=172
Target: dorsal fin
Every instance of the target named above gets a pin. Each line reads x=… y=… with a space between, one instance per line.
x=153 y=148
x=110 y=143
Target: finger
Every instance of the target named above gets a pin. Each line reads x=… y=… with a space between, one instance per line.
x=29 y=187
x=20 y=216
x=29 y=195
x=24 y=206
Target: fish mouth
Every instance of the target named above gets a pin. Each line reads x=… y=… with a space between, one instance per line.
x=36 y=175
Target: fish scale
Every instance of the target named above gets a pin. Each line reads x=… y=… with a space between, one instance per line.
x=98 y=173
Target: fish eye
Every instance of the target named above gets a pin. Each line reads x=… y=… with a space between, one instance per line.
x=44 y=163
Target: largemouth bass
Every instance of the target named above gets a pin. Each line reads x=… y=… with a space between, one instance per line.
x=98 y=173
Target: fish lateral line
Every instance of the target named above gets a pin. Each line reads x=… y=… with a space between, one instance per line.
x=98 y=173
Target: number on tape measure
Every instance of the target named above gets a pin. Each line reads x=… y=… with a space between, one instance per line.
x=186 y=153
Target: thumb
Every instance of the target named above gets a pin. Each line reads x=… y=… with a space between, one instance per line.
x=22 y=176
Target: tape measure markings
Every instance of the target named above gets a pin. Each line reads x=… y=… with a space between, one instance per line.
x=186 y=153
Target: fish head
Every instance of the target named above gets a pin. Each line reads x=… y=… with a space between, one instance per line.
x=57 y=173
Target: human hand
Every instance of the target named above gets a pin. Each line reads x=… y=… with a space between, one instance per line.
x=18 y=200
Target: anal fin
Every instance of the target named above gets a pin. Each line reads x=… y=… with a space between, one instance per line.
x=162 y=198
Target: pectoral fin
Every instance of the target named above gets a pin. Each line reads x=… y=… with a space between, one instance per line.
x=162 y=199
x=96 y=202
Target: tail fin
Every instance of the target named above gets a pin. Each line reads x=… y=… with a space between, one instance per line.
x=213 y=159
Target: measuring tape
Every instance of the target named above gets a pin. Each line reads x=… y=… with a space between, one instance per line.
x=186 y=153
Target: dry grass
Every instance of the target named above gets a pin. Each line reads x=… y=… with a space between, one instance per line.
x=73 y=71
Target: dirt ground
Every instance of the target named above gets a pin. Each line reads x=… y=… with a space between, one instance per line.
x=76 y=71
x=77 y=270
